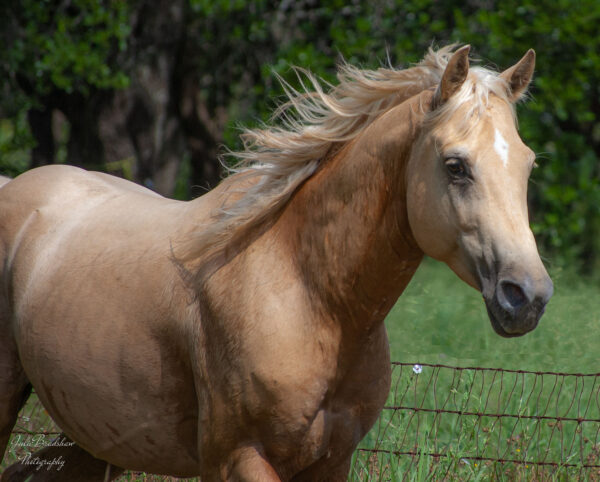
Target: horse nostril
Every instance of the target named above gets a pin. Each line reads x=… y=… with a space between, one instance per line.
x=513 y=294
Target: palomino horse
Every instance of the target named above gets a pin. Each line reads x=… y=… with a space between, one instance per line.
x=240 y=336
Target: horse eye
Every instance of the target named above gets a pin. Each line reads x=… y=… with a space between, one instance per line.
x=456 y=167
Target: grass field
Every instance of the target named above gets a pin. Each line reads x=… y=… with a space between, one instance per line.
x=440 y=320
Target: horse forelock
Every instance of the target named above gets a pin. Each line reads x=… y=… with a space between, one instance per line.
x=313 y=123
x=472 y=100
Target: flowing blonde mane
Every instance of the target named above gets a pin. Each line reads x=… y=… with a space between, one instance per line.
x=313 y=124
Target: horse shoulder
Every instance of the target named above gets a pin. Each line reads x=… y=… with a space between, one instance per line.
x=284 y=362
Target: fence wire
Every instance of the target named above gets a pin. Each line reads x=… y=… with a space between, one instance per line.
x=454 y=423
x=466 y=422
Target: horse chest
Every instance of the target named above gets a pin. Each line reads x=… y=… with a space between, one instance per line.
x=308 y=418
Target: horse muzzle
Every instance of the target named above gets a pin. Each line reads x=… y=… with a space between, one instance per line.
x=515 y=307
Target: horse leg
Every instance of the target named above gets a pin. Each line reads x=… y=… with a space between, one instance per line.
x=65 y=461
x=11 y=402
x=246 y=464
x=14 y=386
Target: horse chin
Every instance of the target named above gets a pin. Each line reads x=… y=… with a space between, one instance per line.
x=497 y=326
x=506 y=325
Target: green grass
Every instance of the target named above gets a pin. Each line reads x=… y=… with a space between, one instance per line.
x=453 y=413
x=441 y=320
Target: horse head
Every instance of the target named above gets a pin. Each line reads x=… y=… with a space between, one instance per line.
x=467 y=190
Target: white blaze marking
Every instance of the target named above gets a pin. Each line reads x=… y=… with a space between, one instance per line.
x=501 y=147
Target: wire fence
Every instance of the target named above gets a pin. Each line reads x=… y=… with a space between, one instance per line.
x=446 y=422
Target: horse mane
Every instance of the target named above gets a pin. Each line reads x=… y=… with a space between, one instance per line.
x=314 y=123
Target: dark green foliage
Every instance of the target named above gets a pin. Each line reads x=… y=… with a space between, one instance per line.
x=233 y=46
x=52 y=46
x=70 y=46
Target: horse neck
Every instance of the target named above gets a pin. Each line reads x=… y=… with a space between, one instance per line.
x=349 y=228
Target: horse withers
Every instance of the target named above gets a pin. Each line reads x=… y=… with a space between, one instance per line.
x=240 y=336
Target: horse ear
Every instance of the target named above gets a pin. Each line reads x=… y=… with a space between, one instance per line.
x=454 y=75
x=519 y=75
